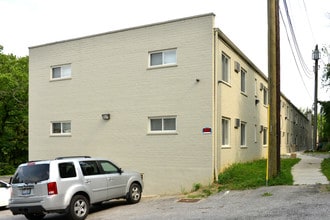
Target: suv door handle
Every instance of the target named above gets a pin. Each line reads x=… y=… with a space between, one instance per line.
x=88 y=181
x=109 y=178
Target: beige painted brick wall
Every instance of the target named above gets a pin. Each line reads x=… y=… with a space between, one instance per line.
x=110 y=75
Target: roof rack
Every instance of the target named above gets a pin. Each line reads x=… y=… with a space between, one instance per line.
x=61 y=158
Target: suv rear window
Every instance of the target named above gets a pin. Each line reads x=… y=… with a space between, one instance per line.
x=31 y=173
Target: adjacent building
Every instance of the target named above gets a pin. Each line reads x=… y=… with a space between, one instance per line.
x=176 y=100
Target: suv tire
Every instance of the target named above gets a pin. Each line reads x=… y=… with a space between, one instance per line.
x=134 y=193
x=79 y=208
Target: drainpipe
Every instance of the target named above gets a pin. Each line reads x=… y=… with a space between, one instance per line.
x=215 y=107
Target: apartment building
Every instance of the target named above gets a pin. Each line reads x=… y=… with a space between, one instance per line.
x=176 y=100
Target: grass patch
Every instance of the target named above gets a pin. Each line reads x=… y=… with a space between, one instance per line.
x=251 y=175
x=266 y=194
x=325 y=167
x=242 y=176
x=202 y=191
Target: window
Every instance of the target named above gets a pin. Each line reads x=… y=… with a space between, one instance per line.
x=60 y=72
x=255 y=88
x=225 y=68
x=89 y=168
x=33 y=173
x=264 y=136
x=59 y=128
x=162 y=124
x=243 y=134
x=67 y=170
x=255 y=133
x=243 y=81
x=162 y=58
x=265 y=91
x=108 y=167
x=225 y=132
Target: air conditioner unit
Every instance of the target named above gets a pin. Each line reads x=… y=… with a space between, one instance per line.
x=261 y=86
x=237 y=123
x=237 y=67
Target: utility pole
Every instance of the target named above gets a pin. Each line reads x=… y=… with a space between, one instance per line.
x=273 y=161
x=316 y=57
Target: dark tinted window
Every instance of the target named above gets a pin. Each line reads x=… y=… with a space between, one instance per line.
x=67 y=170
x=31 y=173
x=89 y=168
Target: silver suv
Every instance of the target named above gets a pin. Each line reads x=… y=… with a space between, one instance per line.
x=70 y=185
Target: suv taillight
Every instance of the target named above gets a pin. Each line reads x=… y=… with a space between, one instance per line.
x=52 y=188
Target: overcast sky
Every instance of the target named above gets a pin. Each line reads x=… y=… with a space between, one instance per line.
x=26 y=23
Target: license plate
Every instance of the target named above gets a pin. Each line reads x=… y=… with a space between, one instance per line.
x=26 y=192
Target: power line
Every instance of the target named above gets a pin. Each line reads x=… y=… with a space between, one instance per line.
x=294 y=57
x=305 y=68
x=309 y=23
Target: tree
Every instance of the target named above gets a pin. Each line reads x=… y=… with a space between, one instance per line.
x=324 y=119
x=326 y=71
x=13 y=111
x=324 y=126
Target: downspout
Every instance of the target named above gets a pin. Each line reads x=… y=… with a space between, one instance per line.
x=215 y=106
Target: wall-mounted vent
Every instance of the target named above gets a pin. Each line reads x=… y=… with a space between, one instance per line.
x=237 y=67
x=237 y=123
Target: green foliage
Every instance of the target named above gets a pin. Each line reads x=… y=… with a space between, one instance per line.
x=13 y=110
x=6 y=169
x=326 y=75
x=251 y=175
x=324 y=121
x=196 y=187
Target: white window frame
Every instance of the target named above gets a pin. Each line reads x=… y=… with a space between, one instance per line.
x=65 y=71
x=243 y=80
x=243 y=134
x=265 y=96
x=163 y=129
x=225 y=68
x=225 y=132
x=164 y=55
x=62 y=129
x=265 y=136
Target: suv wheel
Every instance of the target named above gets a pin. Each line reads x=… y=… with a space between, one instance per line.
x=35 y=216
x=134 y=194
x=79 y=208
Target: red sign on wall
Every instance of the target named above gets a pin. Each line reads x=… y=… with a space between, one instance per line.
x=207 y=130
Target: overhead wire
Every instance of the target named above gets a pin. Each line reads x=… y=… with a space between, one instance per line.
x=294 y=57
x=309 y=23
x=305 y=68
x=294 y=46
